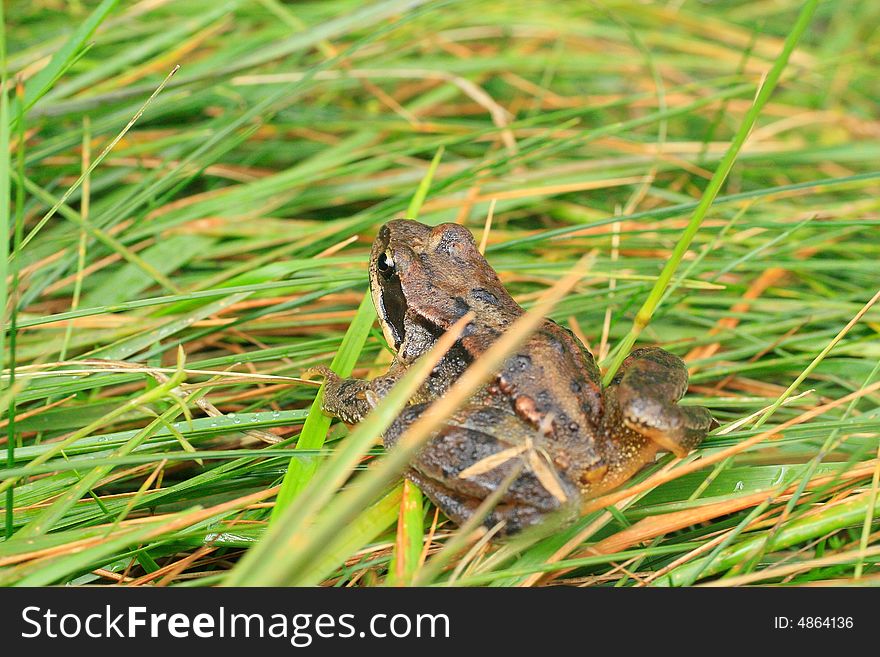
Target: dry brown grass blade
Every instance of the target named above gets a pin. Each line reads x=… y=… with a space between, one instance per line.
x=654 y=526
x=169 y=571
x=172 y=523
x=791 y=569
x=492 y=461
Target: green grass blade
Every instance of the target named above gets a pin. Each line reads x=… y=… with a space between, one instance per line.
x=368 y=525
x=5 y=177
x=643 y=317
x=42 y=81
x=314 y=431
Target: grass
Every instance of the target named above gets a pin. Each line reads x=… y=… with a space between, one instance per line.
x=184 y=244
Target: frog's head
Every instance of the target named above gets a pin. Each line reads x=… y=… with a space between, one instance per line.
x=433 y=275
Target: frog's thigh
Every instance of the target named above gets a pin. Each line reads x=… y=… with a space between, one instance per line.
x=648 y=385
x=628 y=453
x=466 y=445
x=459 y=507
x=480 y=447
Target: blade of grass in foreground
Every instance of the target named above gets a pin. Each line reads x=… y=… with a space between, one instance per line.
x=365 y=528
x=407 y=549
x=314 y=431
x=643 y=317
x=281 y=548
x=47 y=518
x=410 y=526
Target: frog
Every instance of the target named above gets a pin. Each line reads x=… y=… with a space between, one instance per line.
x=544 y=434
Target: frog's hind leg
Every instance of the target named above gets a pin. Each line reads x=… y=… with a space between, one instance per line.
x=459 y=507
x=479 y=452
x=647 y=387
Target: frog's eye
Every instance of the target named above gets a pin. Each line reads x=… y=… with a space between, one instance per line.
x=385 y=264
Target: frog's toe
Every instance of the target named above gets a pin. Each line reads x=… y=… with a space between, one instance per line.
x=320 y=370
x=348 y=399
x=677 y=429
x=647 y=388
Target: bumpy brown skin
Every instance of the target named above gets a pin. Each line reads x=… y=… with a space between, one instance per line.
x=569 y=438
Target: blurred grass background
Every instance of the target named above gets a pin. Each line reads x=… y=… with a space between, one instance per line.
x=168 y=280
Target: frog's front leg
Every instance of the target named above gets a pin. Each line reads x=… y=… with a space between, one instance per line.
x=352 y=399
x=647 y=388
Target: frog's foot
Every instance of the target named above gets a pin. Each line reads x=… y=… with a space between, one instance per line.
x=320 y=370
x=648 y=385
x=348 y=399
x=352 y=399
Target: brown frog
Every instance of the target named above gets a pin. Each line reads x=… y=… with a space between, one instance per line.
x=544 y=414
